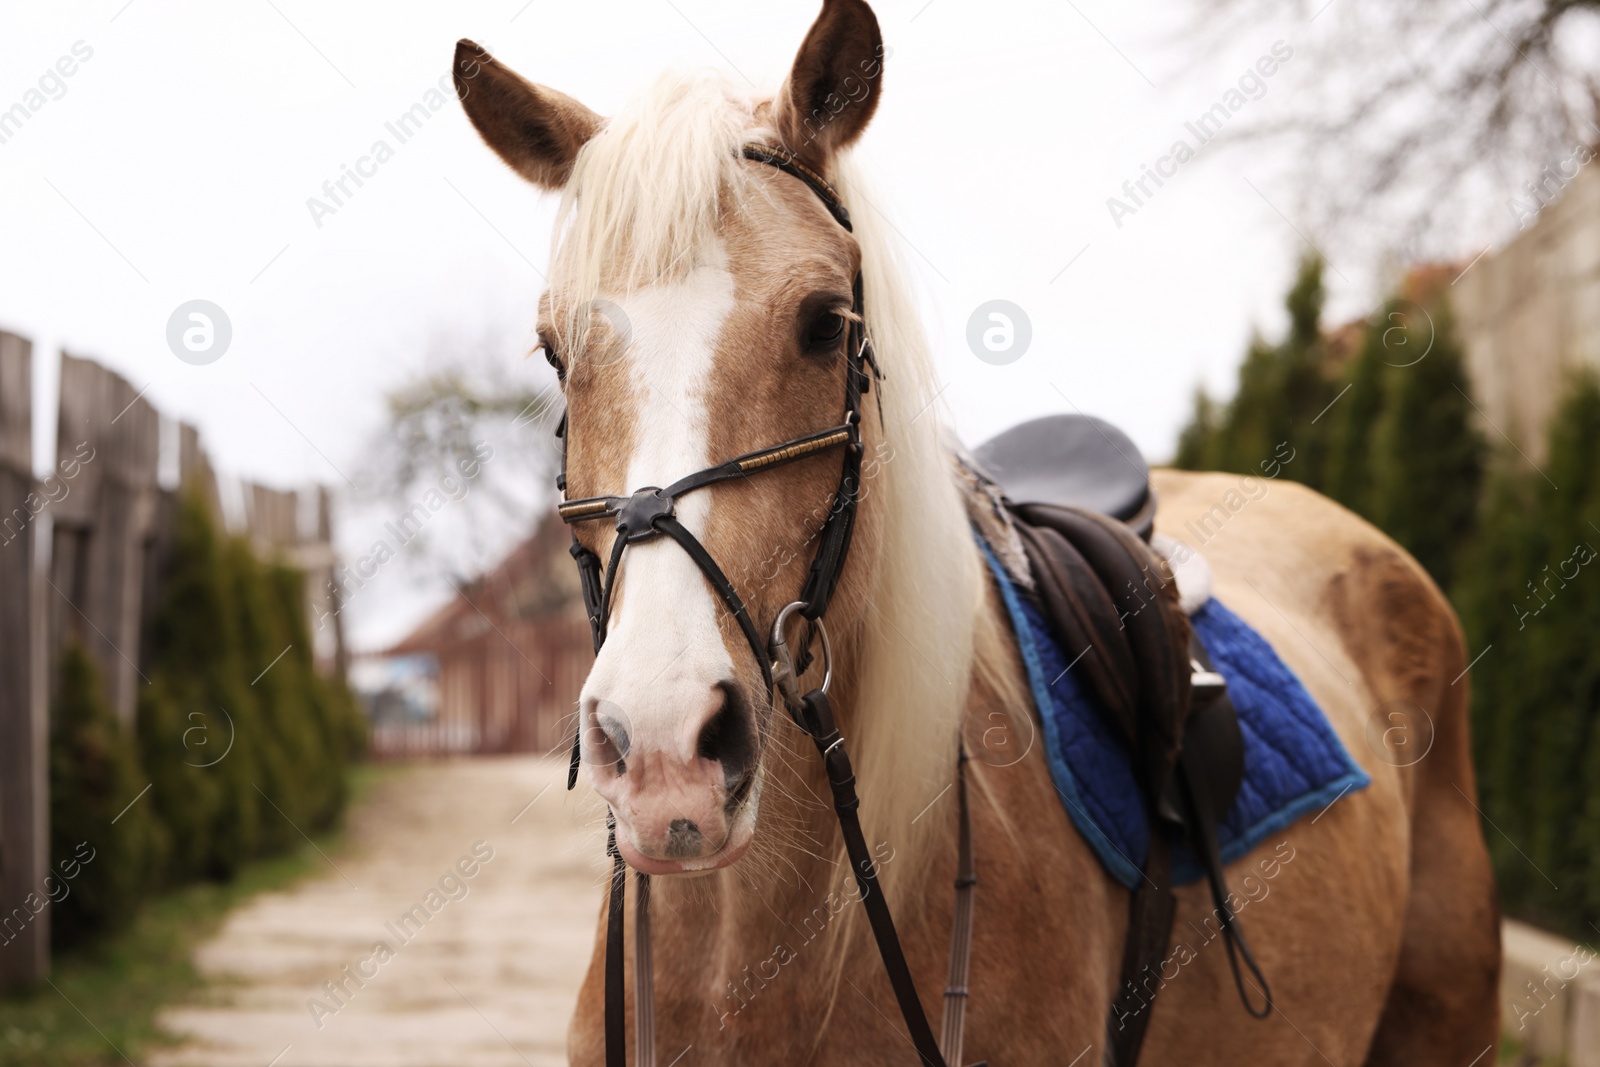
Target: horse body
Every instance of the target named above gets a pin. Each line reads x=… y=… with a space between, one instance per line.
x=1374 y=921
x=698 y=310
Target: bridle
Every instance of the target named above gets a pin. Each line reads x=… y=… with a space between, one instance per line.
x=650 y=512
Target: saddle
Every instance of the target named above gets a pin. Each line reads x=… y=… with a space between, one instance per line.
x=1076 y=492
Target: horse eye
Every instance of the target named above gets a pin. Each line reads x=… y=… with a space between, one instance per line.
x=825 y=331
x=552 y=358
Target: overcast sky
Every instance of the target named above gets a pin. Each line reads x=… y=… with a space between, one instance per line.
x=176 y=161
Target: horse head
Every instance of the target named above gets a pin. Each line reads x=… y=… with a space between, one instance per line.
x=701 y=306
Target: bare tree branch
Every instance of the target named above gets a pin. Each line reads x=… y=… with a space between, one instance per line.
x=1430 y=117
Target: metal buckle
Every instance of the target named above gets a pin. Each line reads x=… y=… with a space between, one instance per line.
x=783 y=674
x=1207 y=685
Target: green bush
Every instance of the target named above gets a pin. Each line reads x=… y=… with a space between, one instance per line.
x=1559 y=662
x=1427 y=456
x=1282 y=390
x=247 y=745
x=198 y=705
x=100 y=825
x=1388 y=434
x=1352 y=421
x=242 y=744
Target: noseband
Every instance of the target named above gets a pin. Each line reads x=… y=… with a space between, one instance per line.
x=650 y=512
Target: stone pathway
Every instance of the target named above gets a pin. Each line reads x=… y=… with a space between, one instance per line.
x=482 y=957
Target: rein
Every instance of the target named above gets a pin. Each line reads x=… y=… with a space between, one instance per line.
x=650 y=512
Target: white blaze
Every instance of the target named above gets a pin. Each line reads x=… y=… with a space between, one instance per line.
x=663 y=650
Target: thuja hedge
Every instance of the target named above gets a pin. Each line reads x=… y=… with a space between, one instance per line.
x=1517 y=549
x=241 y=754
x=1529 y=597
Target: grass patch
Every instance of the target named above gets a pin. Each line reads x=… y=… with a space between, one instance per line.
x=99 y=1006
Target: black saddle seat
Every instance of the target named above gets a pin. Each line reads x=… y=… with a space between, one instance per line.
x=1077 y=460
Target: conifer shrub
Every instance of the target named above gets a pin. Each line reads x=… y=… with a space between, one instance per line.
x=106 y=833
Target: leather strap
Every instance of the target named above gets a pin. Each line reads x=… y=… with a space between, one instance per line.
x=953 y=1032
x=616 y=1020
x=1105 y=592
x=816 y=715
x=1210 y=769
x=644 y=991
x=789 y=163
x=724 y=589
x=601 y=507
x=1150 y=913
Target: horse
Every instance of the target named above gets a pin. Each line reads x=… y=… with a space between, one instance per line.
x=700 y=306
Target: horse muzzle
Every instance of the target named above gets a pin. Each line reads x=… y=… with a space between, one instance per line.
x=682 y=789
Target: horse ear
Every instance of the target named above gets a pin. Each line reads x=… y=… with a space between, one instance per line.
x=833 y=87
x=537 y=131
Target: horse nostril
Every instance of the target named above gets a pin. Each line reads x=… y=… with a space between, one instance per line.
x=612 y=743
x=728 y=737
x=683 y=838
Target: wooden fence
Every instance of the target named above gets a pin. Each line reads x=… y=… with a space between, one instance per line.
x=24 y=717
x=80 y=560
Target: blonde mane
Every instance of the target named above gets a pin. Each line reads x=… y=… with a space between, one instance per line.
x=921 y=632
x=647 y=191
x=644 y=201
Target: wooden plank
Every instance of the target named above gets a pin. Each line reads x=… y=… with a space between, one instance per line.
x=24 y=718
x=322 y=590
x=196 y=475
x=274 y=519
x=113 y=522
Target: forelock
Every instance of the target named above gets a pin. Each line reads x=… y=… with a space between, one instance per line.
x=644 y=201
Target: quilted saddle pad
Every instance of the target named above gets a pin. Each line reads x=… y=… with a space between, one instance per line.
x=1294 y=764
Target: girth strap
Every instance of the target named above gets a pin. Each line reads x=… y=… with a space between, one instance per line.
x=1150 y=913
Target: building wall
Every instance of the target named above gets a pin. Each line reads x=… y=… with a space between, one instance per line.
x=1530 y=312
x=512 y=687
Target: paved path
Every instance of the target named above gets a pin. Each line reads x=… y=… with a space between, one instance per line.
x=487 y=979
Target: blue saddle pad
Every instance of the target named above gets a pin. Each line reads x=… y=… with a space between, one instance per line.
x=1294 y=764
